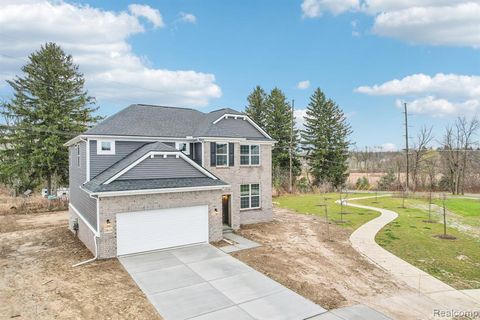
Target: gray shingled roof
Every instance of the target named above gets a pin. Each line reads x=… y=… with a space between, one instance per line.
x=148 y=184
x=160 y=121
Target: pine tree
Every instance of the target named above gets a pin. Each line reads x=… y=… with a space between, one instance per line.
x=49 y=107
x=257 y=106
x=325 y=137
x=278 y=125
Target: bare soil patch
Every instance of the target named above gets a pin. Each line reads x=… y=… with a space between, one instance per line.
x=297 y=253
x=37 y=280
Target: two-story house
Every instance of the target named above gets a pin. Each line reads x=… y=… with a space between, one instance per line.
x=154 y=177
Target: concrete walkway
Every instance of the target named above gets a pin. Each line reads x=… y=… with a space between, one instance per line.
x=433 y=294
x=238 y=243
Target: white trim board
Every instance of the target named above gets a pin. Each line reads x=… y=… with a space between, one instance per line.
x=162 y=153
x=84 y=220
x=87 y=159
x=161 y=139
x=154 y=191
x=129 y=138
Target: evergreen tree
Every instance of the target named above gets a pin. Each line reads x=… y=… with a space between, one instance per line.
x=326 y=138
x=278 y=126
x=49 y=107
x=257 y=106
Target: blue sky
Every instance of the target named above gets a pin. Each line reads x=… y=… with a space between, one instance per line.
x=225 y=48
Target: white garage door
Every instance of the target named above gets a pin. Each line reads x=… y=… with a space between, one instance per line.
x=160 y=229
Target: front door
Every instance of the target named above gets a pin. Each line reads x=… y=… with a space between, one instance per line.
x=226 y=209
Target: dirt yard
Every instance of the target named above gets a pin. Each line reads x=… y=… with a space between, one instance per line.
x=296 y=253
x=37 y=280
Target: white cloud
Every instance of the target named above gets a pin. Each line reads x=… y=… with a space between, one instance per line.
x=97 y=40
x=440 y=95
x=187 y=17
x=147 y=12
x=302 y=85
x=453 y=25
x=434 y=22
x=299 y=115
x=439 y=107
x=388 y=147
x=452 y=85
x=315 y=8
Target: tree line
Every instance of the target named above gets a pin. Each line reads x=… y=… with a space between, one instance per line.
x=452 y=165
x=322 y=142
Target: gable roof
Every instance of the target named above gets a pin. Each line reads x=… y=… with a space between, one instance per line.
x=159 y=121
x=107 y=180
x=129 y=159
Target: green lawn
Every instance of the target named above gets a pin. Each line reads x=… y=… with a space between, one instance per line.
x=469 y=209
x=456 y=262
x=309 y=204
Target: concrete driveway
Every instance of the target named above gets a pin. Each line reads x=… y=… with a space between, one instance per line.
x=202 y=282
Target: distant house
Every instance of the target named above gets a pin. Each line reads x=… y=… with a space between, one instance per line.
x=154 y=177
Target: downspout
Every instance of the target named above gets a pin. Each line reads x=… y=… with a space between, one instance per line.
x=95 y=237
x=92 y=259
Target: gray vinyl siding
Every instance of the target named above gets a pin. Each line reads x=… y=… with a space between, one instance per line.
x=234 y=128
x=100 y=162
x=197 y=146
x=171 y=144
x=162 y=168
x=86 y=205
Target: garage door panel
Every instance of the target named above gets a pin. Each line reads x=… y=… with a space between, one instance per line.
x=160 y=229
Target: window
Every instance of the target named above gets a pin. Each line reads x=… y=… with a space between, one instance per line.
x=250 y=155
x=182 y=146
x=222 y=154
x=77 y=147
x=105 y=147
x=249 y=196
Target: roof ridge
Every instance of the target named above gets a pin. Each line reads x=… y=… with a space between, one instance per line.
x=226 y=108
x=162 y=106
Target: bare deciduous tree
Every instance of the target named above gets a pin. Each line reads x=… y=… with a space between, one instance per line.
x=420 y=149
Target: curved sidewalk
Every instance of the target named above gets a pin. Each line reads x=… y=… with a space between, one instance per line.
x=432 y=293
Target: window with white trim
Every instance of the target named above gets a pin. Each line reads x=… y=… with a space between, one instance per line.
x=105 y=146
x=250 y=196
x=250 y=155
x=182 y=146
x=221 y=154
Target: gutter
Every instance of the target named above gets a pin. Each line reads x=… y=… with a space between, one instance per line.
x=154 y=191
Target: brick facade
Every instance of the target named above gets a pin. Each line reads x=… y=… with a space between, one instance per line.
x=110 y=206
x=234 y=175
x=237 y=175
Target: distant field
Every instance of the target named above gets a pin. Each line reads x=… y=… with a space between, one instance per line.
x=456 y=262
x=313 y=204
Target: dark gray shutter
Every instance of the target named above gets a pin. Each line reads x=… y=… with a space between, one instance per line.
x=231 y=154
x=213 y=154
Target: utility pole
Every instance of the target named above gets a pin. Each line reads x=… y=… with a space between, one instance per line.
x=290 y=185
x=406 y=146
